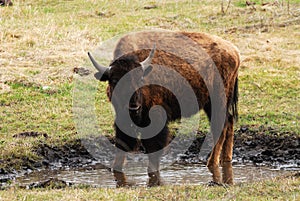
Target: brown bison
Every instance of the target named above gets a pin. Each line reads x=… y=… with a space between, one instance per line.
x=192 y=56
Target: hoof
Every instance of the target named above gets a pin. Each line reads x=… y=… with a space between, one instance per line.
x=154 y=179
x=121 y=180
x=153 y=184
x=213 y=183
x=124 y=184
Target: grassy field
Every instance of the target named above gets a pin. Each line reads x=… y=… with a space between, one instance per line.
x=275 y=189
x=42 y=41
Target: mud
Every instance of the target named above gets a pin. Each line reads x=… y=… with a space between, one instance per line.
x=52 y=183
x=30 y=134
x=258 y=146
x=267 y=146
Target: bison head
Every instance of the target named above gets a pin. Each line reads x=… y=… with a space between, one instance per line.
x=120 y=68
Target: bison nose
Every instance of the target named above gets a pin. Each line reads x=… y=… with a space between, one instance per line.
x=134 y=107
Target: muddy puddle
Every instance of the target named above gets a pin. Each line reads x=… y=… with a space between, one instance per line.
x=177 y=174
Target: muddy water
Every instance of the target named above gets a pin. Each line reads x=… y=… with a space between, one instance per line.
x=176 y=175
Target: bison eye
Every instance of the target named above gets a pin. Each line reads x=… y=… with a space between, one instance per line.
x=113 y=81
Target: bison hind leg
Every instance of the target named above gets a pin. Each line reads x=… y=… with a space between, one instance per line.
x=226 y=155
x=222 y=151
x=214 y=159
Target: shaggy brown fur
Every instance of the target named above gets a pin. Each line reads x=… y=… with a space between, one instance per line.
x=130 y=52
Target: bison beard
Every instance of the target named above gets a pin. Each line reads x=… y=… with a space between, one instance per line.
x=126 y=58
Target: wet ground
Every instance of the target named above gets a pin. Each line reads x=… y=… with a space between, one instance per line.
x=259 y=153
x=177 y=174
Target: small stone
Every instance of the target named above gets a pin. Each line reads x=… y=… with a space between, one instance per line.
x=148 y=7
x=46 y=88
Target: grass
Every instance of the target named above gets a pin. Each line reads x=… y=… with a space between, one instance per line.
x=41 y=42
x=262 y=2
x=275 y=189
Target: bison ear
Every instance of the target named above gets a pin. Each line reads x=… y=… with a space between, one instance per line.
x=103 y=74
x=101 y=77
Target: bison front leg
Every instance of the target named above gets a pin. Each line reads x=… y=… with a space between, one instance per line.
x=154 y=148
x=153 y=170
x=124 y=144
x=118 y=168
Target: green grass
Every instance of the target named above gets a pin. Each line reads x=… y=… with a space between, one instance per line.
x=42 y=41
x=278 y=90
x=275 y=189
x=21 y=111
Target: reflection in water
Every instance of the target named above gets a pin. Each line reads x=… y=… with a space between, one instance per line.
x=176 y=174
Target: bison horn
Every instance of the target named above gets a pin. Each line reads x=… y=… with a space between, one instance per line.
x=103 y=71
x=147 y=62
x=97 y=66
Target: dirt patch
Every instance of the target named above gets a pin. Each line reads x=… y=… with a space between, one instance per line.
x=30 y=134
x=52 y=183
x=258 y=145
x=71 y=155
x=267 y=146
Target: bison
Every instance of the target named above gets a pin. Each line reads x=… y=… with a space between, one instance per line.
x=191 y=55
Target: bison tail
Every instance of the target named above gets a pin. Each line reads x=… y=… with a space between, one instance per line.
x=234 y=101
